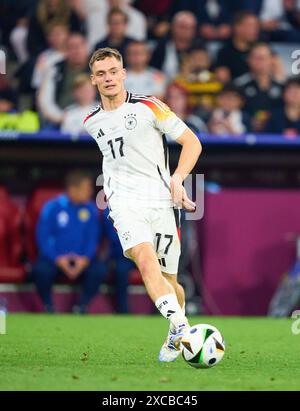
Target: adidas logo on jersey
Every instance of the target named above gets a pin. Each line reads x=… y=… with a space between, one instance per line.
x=100 y=133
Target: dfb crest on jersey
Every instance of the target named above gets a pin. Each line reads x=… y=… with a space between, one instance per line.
x=130 y=121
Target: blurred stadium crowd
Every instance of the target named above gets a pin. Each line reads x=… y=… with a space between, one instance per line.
x=223 y=66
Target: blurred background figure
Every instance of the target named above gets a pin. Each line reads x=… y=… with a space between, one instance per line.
x=11 y=118
x=96 y=13
x=84 y=94
x=281 y=20
x=67 y=236
x=56 y=91
x=142 y=78
x=201 y=84
x=158 y=13
x=232 y=58
x=169 y=51
x=117 y=21
x=228 y=118
x=57 y=35
x=8 y=100
x=259 y=86
x=286 y=120
x=137 y=27
x=45 y=13
x=178 y=101
x=32 y=39
x=213 y=19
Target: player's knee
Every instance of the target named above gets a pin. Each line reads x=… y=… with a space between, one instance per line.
x=145 y=258
x=139 y=253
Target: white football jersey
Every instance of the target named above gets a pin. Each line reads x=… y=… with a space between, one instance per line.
x=135 y=155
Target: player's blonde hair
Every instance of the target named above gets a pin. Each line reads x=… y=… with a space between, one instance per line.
x=104 y=53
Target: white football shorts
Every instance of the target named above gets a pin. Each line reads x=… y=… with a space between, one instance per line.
x=158 y=226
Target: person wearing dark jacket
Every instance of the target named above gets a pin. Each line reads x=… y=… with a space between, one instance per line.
x=232 y=57
x=286 y=120
x=117 y=21
x=169 y=51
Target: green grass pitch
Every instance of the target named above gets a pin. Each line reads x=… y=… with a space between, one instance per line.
x=66 y=352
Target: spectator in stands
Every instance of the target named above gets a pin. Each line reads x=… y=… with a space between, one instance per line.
x=228 y=118
x=11 y=118
x=56 y=91
x=85 y=100
x=158 y=14
x=141 y=78
x=177 y=100
x=117 y=21
x=57 y=34
x=197 y=78
x=31 y=38
x=281 y=20
x=67 y=236
x=252 y=5
x=170 y=50
x=214 y=19
x=232 y=58
x=48 y=11
x=96 y=11
x=13 y=26
x=262 y=92
x=137 y=27
x=8 y=100
x=286 y=120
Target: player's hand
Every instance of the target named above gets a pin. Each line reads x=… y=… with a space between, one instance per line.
x=188 y=204
x=179 y=195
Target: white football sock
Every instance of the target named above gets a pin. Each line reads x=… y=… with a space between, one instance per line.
x=169 y=307
x=172 y=327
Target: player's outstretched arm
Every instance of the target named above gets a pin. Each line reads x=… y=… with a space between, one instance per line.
x=190 y=152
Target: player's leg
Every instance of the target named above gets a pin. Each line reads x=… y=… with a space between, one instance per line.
x=167 y=353
x=159 y=289
x=145 y=258
x=167 y=246
x=179 y=290
x=136 y=236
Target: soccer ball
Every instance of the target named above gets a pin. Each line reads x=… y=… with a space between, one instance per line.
x=203 y=346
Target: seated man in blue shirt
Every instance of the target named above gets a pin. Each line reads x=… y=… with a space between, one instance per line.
x=68 y=233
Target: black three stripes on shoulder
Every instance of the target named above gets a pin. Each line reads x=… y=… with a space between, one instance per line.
x=135 y=98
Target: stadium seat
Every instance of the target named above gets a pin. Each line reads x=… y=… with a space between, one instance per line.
x=135 y=277
x=33 y=208
x=11 y=270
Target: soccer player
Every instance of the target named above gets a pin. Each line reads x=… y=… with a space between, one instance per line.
x=144 y=200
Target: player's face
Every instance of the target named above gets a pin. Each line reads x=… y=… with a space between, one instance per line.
x=108 y=75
